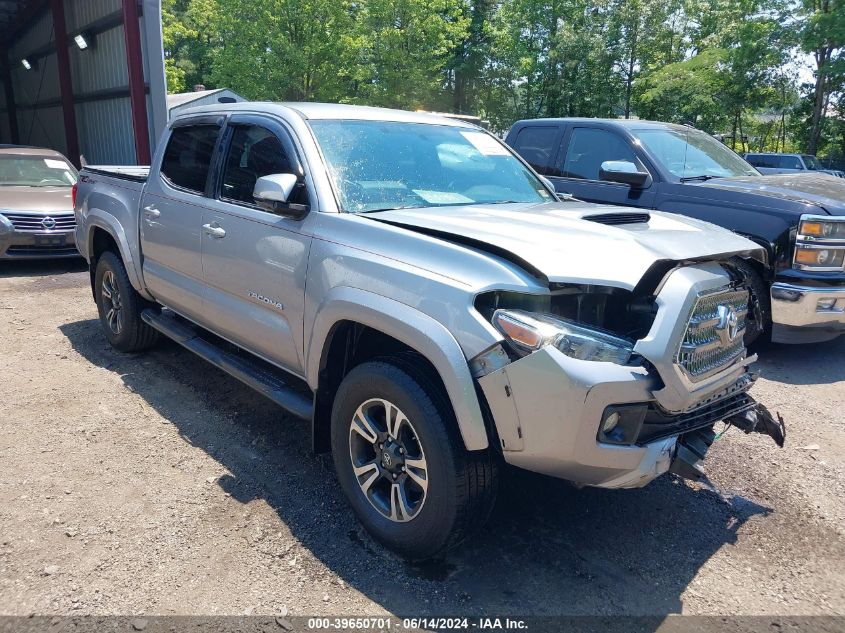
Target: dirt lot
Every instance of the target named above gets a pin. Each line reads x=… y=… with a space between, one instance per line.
x=155 y=484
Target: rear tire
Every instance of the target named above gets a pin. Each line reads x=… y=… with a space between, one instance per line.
x=120 y=307
x=428 y=492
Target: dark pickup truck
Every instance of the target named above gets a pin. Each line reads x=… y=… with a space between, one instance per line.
x=798 y=218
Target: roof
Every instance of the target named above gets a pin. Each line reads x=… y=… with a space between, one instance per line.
x=631 y=124
x=26 y=150
x=326 y=111
x=776 y=154
x=181 y=98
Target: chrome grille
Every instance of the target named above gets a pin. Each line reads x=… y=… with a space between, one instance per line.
x=714 y=337
x=34 y=222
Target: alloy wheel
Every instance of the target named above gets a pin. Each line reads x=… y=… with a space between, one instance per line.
x=112 y=305
x=388 y=460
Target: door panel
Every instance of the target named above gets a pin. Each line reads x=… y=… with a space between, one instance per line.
x=255 y=281
x=253 y=261
x=171 y=218
x=171 y=246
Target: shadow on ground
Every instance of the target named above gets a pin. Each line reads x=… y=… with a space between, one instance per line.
x=41 y=267
x=814 y=364
x=548 y=549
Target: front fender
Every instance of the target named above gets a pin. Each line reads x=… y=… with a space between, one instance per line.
x=413 y=328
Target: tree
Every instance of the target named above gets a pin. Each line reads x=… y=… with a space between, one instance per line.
x=279 y=49
x=402 y=48
x=823 y=35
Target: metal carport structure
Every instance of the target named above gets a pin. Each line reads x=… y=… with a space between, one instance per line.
x=84 y=77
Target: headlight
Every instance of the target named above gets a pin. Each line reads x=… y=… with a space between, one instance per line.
x=820 y=244
x=5 y=225
x=820 y=257
x=529 y=332
x=822 y=229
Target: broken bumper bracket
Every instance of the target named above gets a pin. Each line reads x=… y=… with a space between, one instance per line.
x=692 y=447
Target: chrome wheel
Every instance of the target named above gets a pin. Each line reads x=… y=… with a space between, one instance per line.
x=388 y=460
x=112 y=306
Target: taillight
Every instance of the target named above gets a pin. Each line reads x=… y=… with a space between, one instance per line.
x=73 y=195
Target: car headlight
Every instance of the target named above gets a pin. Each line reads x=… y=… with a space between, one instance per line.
x=820 y=244
x=822 y=229
x=820 y=257
x=529 y=332
x=5 y=225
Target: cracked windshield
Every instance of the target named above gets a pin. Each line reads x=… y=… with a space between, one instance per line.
x=378 y=166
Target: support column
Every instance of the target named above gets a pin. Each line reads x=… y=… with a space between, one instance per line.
x=10 y=98
x=135 y=66
x=65 y=81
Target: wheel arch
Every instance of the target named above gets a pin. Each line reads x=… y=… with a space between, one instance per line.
x=105 y=233
x=392 y=327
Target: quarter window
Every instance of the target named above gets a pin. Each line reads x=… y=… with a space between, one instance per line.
x=187 y=158
x=589 y=148
x=536 y=145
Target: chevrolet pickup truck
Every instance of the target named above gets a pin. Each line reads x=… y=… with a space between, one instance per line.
x=799 y=296
x=412 y=288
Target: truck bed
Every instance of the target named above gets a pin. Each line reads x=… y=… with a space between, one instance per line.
x=135 y=173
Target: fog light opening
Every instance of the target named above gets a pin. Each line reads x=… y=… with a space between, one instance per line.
x=610 y=422
x=621 y=424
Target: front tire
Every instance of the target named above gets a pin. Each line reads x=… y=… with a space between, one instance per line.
x=401 y=463
x=759 y=318
x=120 y=307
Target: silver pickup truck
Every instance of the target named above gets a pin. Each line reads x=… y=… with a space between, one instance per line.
x=410 y=286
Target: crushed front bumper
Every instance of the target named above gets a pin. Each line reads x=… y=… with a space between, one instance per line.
x=548 y=409
x=619 y=426
x=807 y=314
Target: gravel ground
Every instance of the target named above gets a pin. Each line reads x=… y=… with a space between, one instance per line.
x=155 y=484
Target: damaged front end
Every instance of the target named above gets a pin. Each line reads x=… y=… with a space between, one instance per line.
x=611 y=388
x=692 y=446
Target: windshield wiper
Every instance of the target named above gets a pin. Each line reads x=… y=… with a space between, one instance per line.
x=700 y=178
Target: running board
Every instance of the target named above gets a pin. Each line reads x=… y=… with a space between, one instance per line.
x=249 y=372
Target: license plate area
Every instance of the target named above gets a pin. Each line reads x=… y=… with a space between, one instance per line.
x=50 y=240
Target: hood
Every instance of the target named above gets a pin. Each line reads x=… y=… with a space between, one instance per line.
x=554 y=239
x=821 y=190
x=36 y=199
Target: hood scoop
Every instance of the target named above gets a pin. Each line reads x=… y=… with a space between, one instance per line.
x=614 y=219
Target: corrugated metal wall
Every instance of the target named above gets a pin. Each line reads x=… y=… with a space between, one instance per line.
x=37 y=96
x=5 y=131
x=100 y=84
x=105 y=127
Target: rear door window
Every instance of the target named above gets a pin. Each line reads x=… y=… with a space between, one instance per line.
x=536 y=144
x=187 y=158
x=589 y=148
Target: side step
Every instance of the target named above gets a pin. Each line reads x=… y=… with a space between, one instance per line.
x=252 y=373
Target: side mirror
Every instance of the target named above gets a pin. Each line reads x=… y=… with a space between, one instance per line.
x=623 y=171
x=272 y=192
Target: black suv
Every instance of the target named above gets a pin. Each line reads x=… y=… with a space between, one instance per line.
x=798 y=218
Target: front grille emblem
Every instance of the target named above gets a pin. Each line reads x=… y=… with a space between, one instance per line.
x=48 y=223
x=728 y=326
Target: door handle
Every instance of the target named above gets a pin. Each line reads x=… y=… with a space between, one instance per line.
x=214 y=231
x=151 y=212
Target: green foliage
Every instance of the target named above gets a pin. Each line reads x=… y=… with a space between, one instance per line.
x=726 y=66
